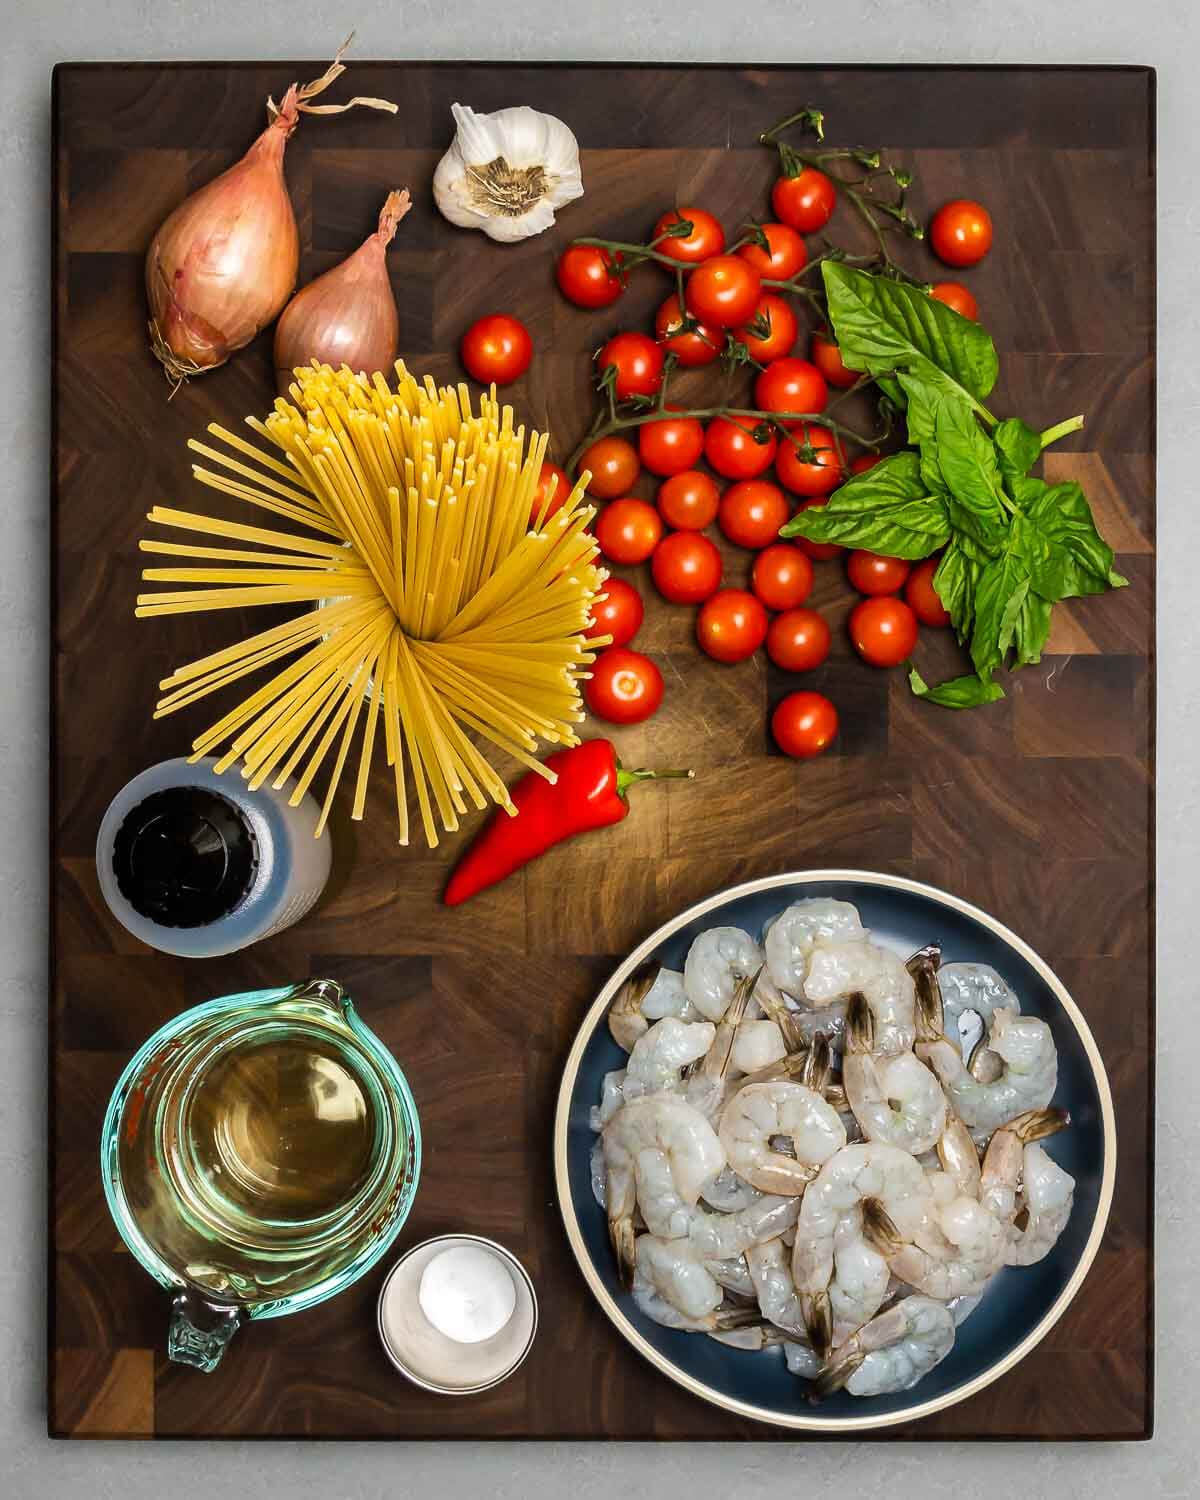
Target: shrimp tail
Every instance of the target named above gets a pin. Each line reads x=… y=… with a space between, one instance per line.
x=726 y=1319
x=818 y=1064
x=879 y=1228
x=622 y=1238
x=923 y=966
x=1037 y=1124
x=860 y=1024
x=836 y=1371
x=818 y=1320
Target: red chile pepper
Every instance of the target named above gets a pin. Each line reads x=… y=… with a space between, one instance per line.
x=589 y=793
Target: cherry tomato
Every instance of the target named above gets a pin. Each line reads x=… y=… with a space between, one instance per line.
x=496 y=348
x=804 y=476
x=804 y=202
x=732 y=449
x=786 y=256
x=791 y=385
x=614 y=466
x=698 y=346
x=752 y=512
x=871 y=573
x=638 y=361
x=625 y=687
x=921 y=596
x=827 y=357
x=628 y=530
x=589 y=276
x=956 y=297
x=798 y=640
x=562 y=488
x=689 y=501
x=782 y=576
x=723 y=291
x=884 y=631
x=961 y=232
x=620 y=614
x=731 y=626
x=671 y=445
x=706 y=239
x=865 y=461
x=804 y=724
x=818 y=551
x=686 y=567
x=777 y=317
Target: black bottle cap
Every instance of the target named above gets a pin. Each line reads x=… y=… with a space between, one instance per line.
x=184 y=857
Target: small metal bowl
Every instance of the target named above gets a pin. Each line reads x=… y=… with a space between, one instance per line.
x=426 y=1356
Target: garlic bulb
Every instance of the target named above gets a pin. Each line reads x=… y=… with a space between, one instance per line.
x=507 y=172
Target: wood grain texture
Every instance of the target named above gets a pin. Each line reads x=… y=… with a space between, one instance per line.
x=1039 y=808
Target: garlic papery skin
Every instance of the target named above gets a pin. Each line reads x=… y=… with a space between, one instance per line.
x=507 y=172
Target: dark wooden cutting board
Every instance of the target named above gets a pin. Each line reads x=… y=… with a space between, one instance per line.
x=1039 y=808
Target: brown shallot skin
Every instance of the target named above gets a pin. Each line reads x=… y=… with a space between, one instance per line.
x=347 y=316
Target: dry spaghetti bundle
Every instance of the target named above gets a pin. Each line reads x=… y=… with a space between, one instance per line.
x=439 y=613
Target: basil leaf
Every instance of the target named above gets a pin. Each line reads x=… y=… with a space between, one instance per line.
x=1033 y=628
x=921 y=402
x=1018 y=448
x=967 y=462
x=958 y=692
x=999 y=595
x=1065 y=554
x=888 y=509
x=954 y=582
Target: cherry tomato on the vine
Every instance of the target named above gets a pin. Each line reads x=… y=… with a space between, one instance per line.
x=625 y=687
x=771 y=332
x=638 y=362
x=689 y=501
x=619 y=614
x=752 y=512
x=549 y=473
x=628 y=530
x=956 y=297
x=782 y=576
x=785 y=257
x=872 y=573
x=734 y=451
x=496 y=348
x=706 y=239
x=613 y=464
x=809 y=476
x=828 y=359
x=723 y=291
x=804 y=202
x=589 y=276
x=961 y=232
x=686 y=567
x=921 y=596
x=865 y=461
x=818 y=551
x=695 y=346
x=804 y=724
x=671 y=445
x=883 y=631
x=731 y=626
x=798 y=640
x=791 y=385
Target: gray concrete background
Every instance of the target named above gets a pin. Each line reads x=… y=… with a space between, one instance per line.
x=39 y=33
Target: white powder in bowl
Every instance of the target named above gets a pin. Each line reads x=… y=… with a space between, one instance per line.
x=467 y=1294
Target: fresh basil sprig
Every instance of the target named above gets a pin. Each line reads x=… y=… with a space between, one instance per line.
x=1012 y=545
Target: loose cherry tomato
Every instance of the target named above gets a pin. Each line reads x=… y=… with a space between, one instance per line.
x=804 y=724
x=803 y=476
x=625 y=687
x=731 y=448
x=731 y=626
x=589 y=276
x=638 y=361
x=686 y=567
x=723 y=291
x=613 y=464
x=752 y=512
x=956 y=297
x=921 y=596
x=689 y=501
x=628 y=530
x=827 y=357
x=496 y=348
x=779 y=321
x=818 y=551
x=562 y=488
x=871 y=573
x=791 y=385
x=798 y=640
x=782 y=576
x=671 y=445
x=883 y=630
x=961 y=232
x=804 y=202
x=865 y=461
x=786 y=256
x=619 y=614
x=697 y=346
x=706 y=239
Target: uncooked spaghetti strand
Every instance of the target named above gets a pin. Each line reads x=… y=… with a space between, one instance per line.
x=235 y=554
x=185 y=520
x=314 y=519
x=287 y=492
x=179 y=602
x=303 y=627
x=407 y=726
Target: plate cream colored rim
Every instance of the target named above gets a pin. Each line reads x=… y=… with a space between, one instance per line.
x=800 y=1420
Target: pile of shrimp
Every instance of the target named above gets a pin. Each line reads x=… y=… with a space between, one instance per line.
x=820 y=1147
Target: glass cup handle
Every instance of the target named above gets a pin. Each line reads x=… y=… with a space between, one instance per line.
x=200 y=1331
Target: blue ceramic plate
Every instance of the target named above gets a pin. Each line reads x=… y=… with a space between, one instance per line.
x=1021 y=1305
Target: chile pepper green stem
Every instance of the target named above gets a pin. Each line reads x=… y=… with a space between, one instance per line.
x=1060 y=430
x=626 y=779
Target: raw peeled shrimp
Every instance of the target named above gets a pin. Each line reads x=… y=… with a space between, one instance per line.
x=653 y=1305
x=650 y=993
x=1015 y=1168
x=861 y=1277
x=972 y=987
x=891 y=1352
x=655 y=1065
x=1026 y=1047
x=958 y=1158
x=762 y=1110
x=757 y=1045
x=722 y=1236
x=705 y=1089
x=715 y=962
x=896 y=1100
x=837 y=970
x=733 y=1274
x=778 y=1300
x=801 y=1359
x=789 y=939
x=972 y=1253
x=669 y=1267
x=727 y=1192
